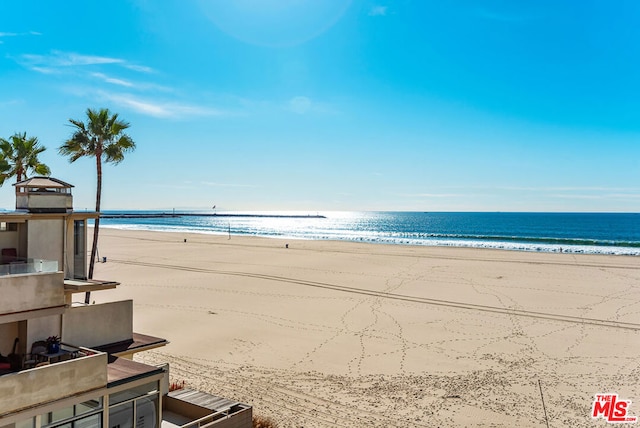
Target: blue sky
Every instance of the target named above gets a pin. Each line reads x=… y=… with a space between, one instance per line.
x=335 y=104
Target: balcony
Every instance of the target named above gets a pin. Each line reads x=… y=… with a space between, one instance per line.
x=186 y=408
x=107 y=327
x=28 y=295
x=22 y=266
x=85 y=371
x=100 y=324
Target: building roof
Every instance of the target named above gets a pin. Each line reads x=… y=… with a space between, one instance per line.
x=122 y=370
x=202 y=399
x=46 y=182
x=139 y=342
x=84 y=285
x=20 y=216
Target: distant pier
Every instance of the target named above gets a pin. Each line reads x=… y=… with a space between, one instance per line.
x=177 y=215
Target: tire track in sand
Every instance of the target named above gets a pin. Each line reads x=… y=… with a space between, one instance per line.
x=401 y=297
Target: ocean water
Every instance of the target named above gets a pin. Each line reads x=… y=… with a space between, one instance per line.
x=588 y=233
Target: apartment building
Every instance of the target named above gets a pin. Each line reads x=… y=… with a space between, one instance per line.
x=88 y=377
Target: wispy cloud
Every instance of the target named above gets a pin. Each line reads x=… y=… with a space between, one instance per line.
x=66 y=59
x=378 y=11
x=58 y=61
x=95 y=69
x=436 y=195
x=552 y=188
x=623 y=196
x=215 y=184
x=6 y=35
x=145 y=86
x=112 y=80
x=159 y=108
x=140 y=68
x=76 y=65
x=28 y=33
x=45 y=70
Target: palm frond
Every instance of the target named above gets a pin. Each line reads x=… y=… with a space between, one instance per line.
x=101 y=134
x=19 y=157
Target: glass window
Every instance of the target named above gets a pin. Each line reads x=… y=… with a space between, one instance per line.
x=72 y=414
x=93 y=421
x=28 y=423
x=121 y=416
x=58 y=415
x=88 y=406
x=146 y=412
x=78 y=235
x=8 y=227
x=79 y=250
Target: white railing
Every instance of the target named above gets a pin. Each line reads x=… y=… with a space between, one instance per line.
x=208 y=419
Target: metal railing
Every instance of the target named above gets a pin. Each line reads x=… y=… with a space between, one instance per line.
x=212 y=418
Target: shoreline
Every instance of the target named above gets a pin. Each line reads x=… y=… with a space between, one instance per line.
x=515 y=246
x=308 y=332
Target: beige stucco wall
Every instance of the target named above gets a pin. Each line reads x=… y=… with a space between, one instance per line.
x=41 y=328
x=45 y=239
x=31 y=291
x=95 y=325
x=45 y=384
x=44 y=200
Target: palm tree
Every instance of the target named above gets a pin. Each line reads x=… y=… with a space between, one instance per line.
x=20 y=156
x=101 y=137
x=4 y=169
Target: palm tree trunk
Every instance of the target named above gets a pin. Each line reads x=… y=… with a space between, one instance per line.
x=96 y=226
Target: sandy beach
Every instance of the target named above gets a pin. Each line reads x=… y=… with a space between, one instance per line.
x=338 y=334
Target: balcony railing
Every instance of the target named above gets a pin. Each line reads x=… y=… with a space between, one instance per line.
x=20 y=265
x=21 y=362
x=51 y=380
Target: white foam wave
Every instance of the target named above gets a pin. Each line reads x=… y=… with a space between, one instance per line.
x=381 y=238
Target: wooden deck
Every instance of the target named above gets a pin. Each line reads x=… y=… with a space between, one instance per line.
x=121 y=370
x=202 y=399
